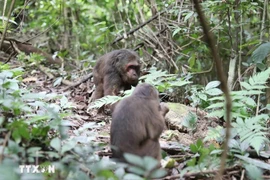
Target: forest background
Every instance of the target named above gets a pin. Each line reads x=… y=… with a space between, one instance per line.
x=63 y=39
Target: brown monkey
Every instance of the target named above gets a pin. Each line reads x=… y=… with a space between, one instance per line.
x=137 y=123
x=115 y=71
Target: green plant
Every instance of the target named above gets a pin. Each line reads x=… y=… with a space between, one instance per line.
x=260 y=54
x=252 y=131
x=190 y=121
x=200 y=95
x=145 y=167
x=243 y=101
x=204 y=158
x=31 y=127
x=32 y=59
x=160 y=79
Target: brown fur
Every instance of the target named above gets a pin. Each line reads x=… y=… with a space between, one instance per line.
x=137 y=123
x=115 y=71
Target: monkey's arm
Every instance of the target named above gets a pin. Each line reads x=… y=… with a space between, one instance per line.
x=164 y=109
x=155 y=125
x=111 y=85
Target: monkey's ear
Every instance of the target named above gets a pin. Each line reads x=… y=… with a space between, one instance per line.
x=119 y=56
x=116 y=59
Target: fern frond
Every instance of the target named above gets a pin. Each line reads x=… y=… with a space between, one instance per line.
x=214 y=134
x=104 y=101
x=259 y=78
x=158 y=77
x=251 y=131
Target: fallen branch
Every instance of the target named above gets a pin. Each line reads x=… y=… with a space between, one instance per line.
x=84 y=79
x=200 y=173
x=10 y=46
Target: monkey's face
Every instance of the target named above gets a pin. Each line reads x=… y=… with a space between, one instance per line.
x=128 y=66
x=132 y=71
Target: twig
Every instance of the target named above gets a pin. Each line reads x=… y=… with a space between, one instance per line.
x=212 y=44
x=81 y=81
x=196 y=174
x=4 y=145
x=5 y=30
x=242 y=174
x=45 y=71
x=137 y=28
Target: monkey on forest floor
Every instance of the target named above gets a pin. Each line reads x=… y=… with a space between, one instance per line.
x=115 y=71
x=137 y=122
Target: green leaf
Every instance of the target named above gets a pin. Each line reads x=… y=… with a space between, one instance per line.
x=176 y=31
x=104 y=101
x=216 y=105
x=132 y=176
x=188 y=16
x=68 y=146
x=120 y=172
x=150 y=163
x=254 y=173
x=217 y=113
x=56 y=144
x=14 y=86
x=255 y=162
x=158 y=173
x=212 y=84
x=107 y=174
x=245 y=85
x=192 y=162
x=37 y=118
x=16 y=136
x=24 y=132
x=193 y=148
x=213 y=134
x=13 y=147
x=136 y=170
x=257 y=142
x=192 y=60
x=202 y=96
x=133 y=159
x=7 y=172
x=261 y=53
x=249 y=101
x=199 y=143
x=33 y=150
x=214 y=92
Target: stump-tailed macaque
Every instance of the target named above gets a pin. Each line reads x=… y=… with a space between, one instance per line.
x=137 y=122
x=115 y=71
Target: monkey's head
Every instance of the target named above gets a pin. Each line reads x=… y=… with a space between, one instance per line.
x=146 y=91
x=128 y=65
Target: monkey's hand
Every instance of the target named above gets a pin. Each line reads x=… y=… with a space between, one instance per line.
x=164 y=109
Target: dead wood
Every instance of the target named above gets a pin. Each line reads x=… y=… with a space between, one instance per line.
x=12 y=46
x=84 y=79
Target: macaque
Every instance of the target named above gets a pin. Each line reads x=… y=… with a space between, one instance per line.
x=115 y=71
x=137 y=122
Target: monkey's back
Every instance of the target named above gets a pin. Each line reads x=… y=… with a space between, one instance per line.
x=129 y=131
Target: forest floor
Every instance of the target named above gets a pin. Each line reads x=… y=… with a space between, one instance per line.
x=174 y=141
